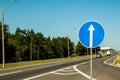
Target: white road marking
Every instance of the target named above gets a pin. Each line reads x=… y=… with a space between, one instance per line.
x=37 y=76
x=105 y=62
x=44 y=74
x=10 y=73
x=56 y=72
x=70 y=70
x=80 y=72
x=66 y=73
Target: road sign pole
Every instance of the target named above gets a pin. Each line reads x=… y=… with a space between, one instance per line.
x=91 y=29
x=91 y=72
x=89 y=37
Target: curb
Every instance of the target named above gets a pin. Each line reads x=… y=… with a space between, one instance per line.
x=105 y=62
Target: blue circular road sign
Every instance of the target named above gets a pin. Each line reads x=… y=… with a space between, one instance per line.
x=91 y=34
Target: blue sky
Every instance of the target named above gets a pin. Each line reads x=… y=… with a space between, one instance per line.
x=65 y=17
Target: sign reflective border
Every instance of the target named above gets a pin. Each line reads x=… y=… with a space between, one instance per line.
x=91 y=34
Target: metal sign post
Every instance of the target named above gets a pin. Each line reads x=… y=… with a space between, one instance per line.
x=91 y=29
x=88 y=36
x=91 y=68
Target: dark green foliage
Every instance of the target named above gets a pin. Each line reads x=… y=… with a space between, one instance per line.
x=81 y=50
x=27 y=45
x=18 y=46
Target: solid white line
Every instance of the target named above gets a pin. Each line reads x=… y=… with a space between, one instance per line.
x=10 y=73
x=65 y=73
x=80 y=72
x=105 y=62
x=72 y=70
x=44 y=74
x=30 y=78
x=37 y=76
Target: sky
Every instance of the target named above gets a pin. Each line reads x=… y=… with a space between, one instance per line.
x=64 y=17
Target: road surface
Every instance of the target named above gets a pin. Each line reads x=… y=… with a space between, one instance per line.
x=72 y=70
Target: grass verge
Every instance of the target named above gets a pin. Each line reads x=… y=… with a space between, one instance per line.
x=25 y=63
x=117 y=59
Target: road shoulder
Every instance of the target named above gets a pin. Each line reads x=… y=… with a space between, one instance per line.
x=109 y=62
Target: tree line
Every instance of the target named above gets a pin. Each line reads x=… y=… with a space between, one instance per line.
x=28 y=45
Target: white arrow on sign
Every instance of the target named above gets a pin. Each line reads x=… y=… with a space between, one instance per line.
x=91 y=29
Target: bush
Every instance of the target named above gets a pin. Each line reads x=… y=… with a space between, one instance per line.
x=74 y=55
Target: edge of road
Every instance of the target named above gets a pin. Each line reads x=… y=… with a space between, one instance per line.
x=45 y=66
x=110 y=64
x=57 y=65
x=40 y=64
x=66 y=63
x=75 y=68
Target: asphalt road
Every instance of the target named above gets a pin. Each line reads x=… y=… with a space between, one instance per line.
x=21 y=73
x=72 y=70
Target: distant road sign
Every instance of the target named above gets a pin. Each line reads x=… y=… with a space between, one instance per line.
x=91 y=34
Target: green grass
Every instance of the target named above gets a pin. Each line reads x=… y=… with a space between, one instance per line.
x=117 y=59
x=25 y=63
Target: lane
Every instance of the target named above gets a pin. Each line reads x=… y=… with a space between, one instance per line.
x=61 y=74
x=101 y=71
x=63 y=71
x=25 y=72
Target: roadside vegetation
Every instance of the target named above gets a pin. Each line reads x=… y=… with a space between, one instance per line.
x=117 y=59
x=27 y=63
x=28 y=45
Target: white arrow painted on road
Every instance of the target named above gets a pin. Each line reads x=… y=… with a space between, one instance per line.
x=91 y=29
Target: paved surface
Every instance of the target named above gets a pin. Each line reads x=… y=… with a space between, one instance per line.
x=101 y=71
x=61 y=71
x=28 y=71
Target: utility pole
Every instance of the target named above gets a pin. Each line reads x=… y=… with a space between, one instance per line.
x=31 y=47
x=3 y=43
x=68 y=47
x=3 y=46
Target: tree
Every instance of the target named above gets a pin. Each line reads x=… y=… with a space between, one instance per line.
x=9 y=49
x=49 y=51
x=21 y=45
x=79 y=49
x=26 y=45
x=30 y=40
x=71 y=47
x=39 y=46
